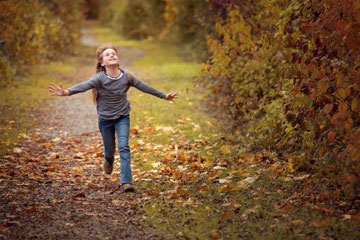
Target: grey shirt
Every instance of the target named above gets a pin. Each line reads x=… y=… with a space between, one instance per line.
x=111 y=93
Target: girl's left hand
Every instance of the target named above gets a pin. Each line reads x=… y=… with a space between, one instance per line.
x=171 y=96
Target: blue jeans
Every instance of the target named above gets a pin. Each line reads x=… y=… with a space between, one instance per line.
x=120 y=126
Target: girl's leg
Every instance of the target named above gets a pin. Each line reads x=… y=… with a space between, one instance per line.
x=122 y=127
x=107 y=130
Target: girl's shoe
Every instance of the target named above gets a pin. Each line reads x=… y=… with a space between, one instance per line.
x=108 y=167
x=127 y=187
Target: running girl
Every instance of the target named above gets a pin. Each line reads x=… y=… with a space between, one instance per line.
x=110 y=86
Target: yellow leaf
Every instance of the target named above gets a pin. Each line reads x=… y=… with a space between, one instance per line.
x=340 y=79
x=17 y=150
x=290 y=165
x=23 y=135
x=355 y=104
x=238 y=172
x=297 y=222
x=319 y=224
x=225 y=149
x=207 y=163
x=343 y=107
x=343 y=93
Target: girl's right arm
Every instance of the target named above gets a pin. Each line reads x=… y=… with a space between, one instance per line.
x=78 y=88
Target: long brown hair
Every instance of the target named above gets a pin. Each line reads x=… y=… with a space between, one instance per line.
x=99 y=59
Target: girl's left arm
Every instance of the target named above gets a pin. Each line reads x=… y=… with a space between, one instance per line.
x=150 y=90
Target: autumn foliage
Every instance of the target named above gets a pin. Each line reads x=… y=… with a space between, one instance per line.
x=286 y=75
x=36 y=30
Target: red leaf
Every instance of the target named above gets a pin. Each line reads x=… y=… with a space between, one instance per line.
x=331 y=136
x=228 y=214
x=335 y=151
x=328 y=108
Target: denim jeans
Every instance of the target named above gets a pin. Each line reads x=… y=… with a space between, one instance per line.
x=120 y=126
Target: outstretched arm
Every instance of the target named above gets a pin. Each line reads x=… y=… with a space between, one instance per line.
x=58 y=90
x=150 y=90
x=171 y=96
x=78 y=88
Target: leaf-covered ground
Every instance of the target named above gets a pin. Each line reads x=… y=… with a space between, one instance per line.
x=193 y=180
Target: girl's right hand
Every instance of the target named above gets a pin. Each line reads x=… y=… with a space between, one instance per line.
x=58 y=90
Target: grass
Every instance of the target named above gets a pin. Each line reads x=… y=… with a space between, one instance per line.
x=21 y=102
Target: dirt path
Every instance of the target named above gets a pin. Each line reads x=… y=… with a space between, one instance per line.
x=52 y=185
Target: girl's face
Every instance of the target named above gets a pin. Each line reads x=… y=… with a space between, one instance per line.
x=109 y=58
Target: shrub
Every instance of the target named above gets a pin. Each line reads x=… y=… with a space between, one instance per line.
x=35 y=30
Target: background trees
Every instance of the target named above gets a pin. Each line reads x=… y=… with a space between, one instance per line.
x=32 y=31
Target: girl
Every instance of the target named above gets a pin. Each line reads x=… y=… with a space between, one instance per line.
x=109 y=86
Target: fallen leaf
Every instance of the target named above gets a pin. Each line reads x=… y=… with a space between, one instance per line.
x=17 y=150
x=30 y=209
x=245 y=183
x=140 y=142
x=218 y=168
x=352 y=179
x=100 y=154
x=155 y=164
x=115 y=201
x=225 y=149
x=331 y=136
x=290 y=165
x=223 y=180
x=189 y=202
x=226 y=188
x=228 y=214
x=286 y=206
x=302 y=177
x=23 y=135
x=152 y=193
x=250 y=180
x=283 y=206
x=13 y=223
x=214 y=235
x=319 y=223
x=297 y=222
x=48 y=145
x=356 y=217
x=79 y=195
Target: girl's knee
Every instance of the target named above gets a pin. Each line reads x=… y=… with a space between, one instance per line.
x=123 y=147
